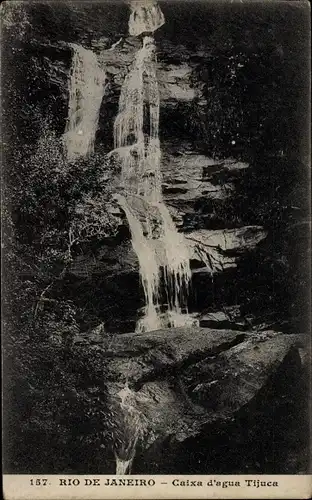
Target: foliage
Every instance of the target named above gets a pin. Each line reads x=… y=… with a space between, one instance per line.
x=52 y=388
x=249 y=78
x=242 y=93
x=57 y=403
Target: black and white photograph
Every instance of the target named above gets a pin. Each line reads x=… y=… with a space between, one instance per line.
x=156 y=238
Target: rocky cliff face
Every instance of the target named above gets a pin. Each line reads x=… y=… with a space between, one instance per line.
x=196 y=383
x=200 y=190
x=231 y=386
x=191 y=180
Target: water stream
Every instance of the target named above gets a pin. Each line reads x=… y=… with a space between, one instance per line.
x=145 y=17
x=86 y=90
x=123 y=466
x=131 y=422
x=160 y=248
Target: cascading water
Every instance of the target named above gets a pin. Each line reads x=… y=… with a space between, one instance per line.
x=86 y=90
x=148 y=268
x=132 y=429
x=123 y=466
x=145 y=17
x=155 y=239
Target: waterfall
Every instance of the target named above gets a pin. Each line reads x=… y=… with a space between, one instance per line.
x=160 y=249
x=148 y=269
x=131 y=422
x=86 y=89
x=145 y=17
x=123 y=466
x=177 y=267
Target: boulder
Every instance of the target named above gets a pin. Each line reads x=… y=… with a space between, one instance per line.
x=174 y=384
x=222 y=319
x=218 y=250
x=235 y=377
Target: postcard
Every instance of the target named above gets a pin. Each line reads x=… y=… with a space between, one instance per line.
x=156 y=249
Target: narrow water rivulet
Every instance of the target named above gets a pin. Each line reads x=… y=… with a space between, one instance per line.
x=161 y=250
x=86 y=89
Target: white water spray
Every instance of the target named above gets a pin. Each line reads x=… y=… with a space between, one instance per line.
x=149 y=269
x=86 y=90
x=157 y=243
x=123 y=466
x=132 y=429
x=145 y=17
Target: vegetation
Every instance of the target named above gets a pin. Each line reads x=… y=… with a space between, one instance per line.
x=54 y=211
x=48 y=215
x=52 y=216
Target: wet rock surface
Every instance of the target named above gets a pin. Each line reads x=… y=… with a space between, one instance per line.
x=188 y=176
x=211 y=251
x=192 y=181
x=221 y=398
x=224 y=319
x=184 y=382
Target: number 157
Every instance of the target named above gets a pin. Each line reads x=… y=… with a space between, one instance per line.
x=38 y=482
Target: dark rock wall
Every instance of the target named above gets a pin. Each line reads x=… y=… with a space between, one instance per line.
x=233 y=93
x=234 y=96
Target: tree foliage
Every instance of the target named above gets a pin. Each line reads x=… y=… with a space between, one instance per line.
x=249 y=80
x=52 y=208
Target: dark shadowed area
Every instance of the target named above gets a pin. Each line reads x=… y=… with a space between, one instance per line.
x=233 y=83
